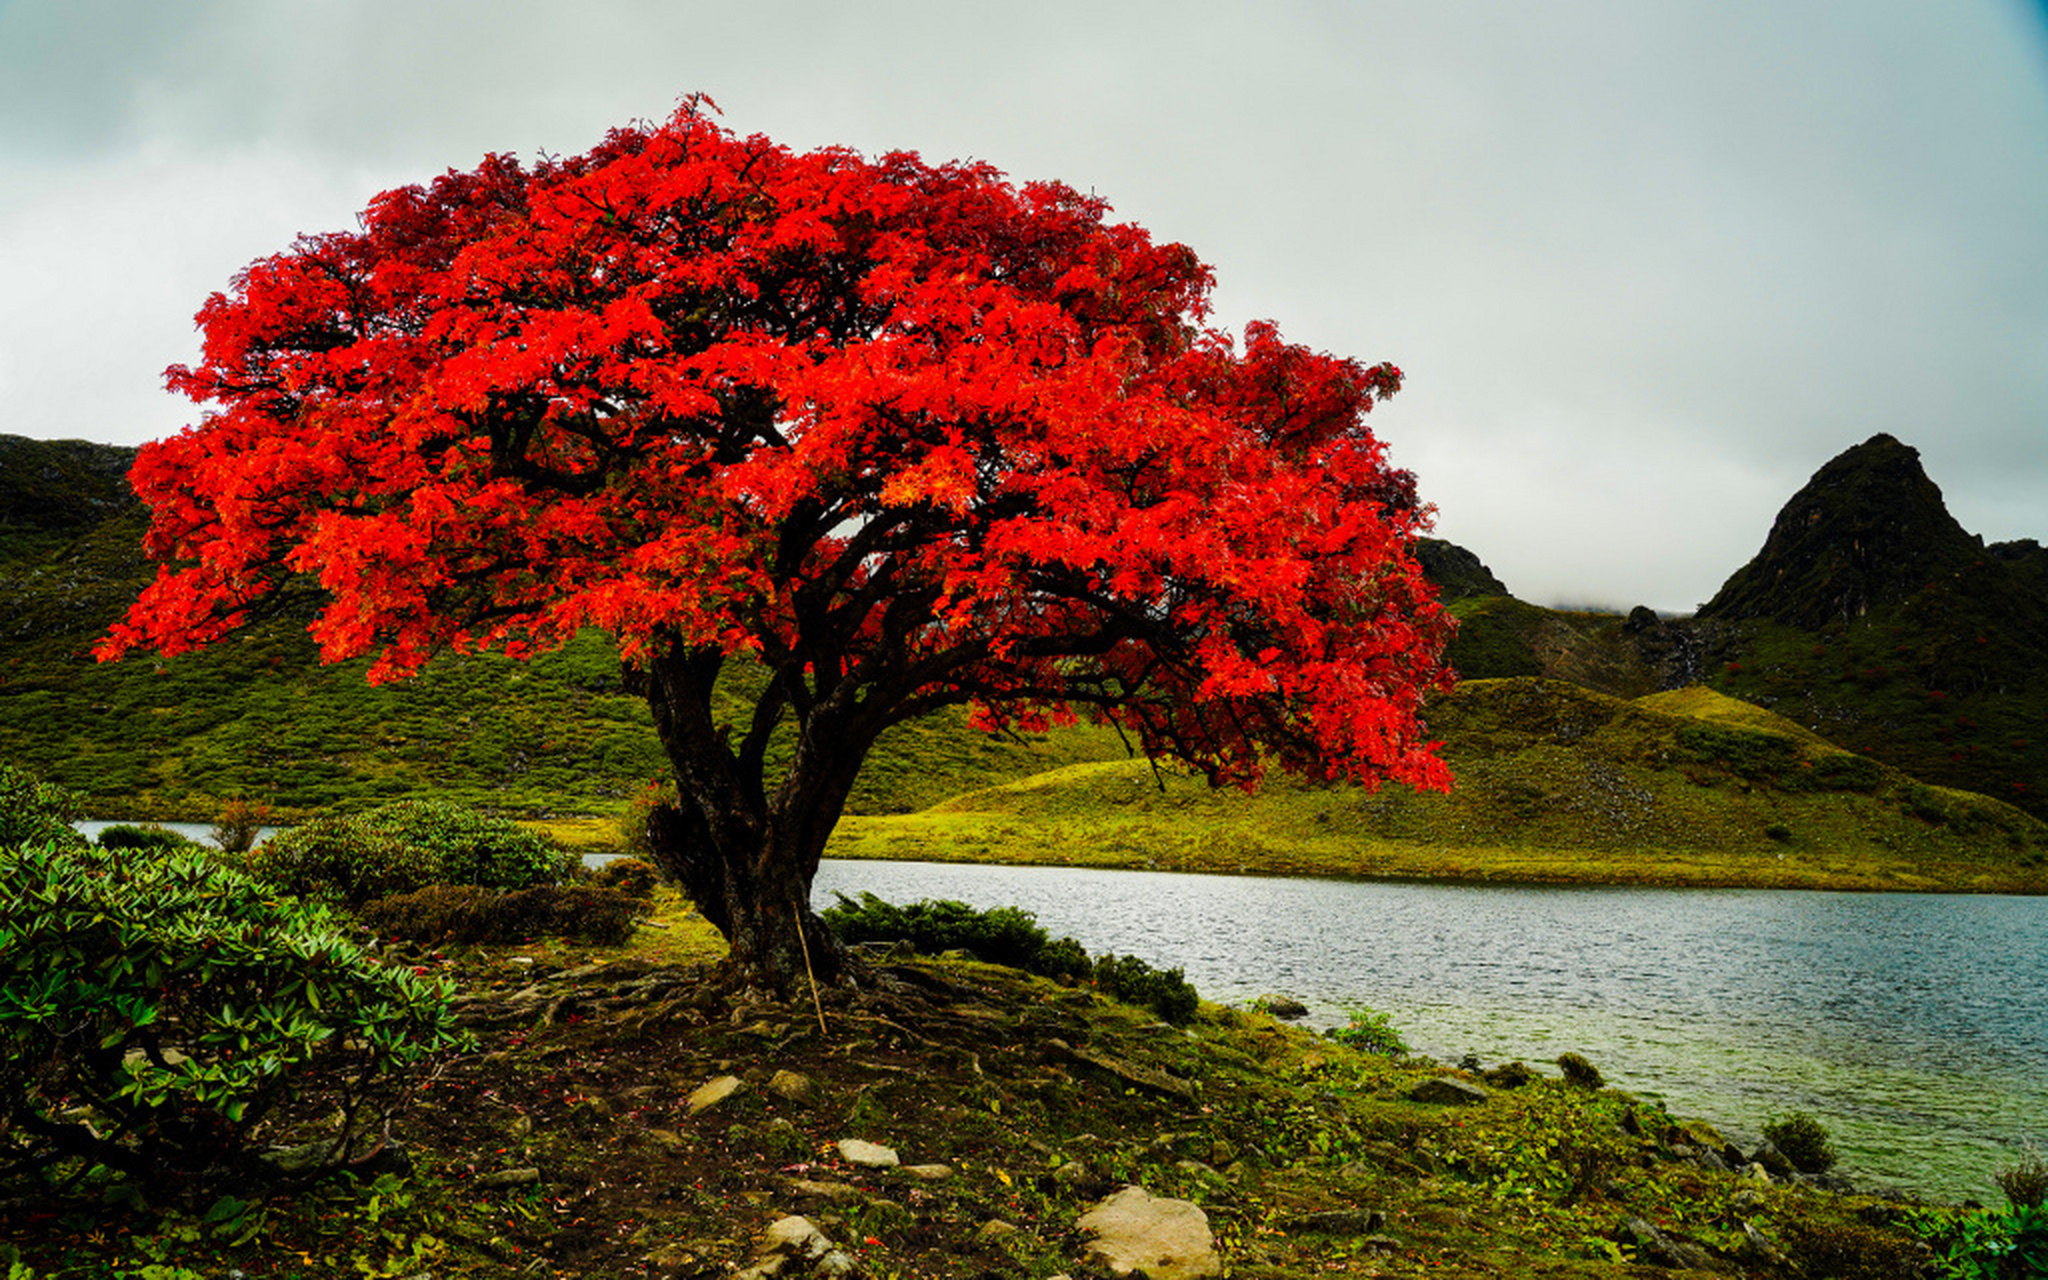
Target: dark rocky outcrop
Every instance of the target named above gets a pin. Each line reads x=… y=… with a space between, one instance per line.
x=62 y=485
x=1456 y=572
x=1868 y=530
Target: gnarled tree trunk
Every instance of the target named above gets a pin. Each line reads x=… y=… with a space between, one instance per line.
x=745 y=855
x=758 y=898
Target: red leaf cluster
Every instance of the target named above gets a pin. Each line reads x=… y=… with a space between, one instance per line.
x=909 y=434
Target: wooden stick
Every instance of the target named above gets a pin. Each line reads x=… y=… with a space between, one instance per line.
x=805 y=943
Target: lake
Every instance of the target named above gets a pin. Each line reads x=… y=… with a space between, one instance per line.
x=1914 y=1025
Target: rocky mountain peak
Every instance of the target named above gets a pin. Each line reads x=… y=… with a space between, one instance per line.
x=1869 y=529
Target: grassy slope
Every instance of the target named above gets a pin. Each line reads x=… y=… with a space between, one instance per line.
x=1555 y=783
x=258 y=716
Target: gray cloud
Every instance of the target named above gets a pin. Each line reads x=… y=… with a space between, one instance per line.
x=1647 y=266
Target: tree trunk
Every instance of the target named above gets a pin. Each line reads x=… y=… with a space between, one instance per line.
x=759 y=898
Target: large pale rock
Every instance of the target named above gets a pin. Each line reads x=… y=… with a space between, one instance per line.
x=867 y=1154
x=1138 y=1234
x=713 y=1092
x=794 y=1246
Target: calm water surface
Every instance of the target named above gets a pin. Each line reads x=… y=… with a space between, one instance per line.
x=1914 y=1025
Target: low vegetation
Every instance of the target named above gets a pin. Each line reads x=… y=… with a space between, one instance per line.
x=156 y=1007
x=1556 y=783
x=535 y=1091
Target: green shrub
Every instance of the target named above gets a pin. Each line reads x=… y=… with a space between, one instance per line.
x=342 y=860
x=154 y=1008
x=1580 y=1072
x=240 y=821
x=404 y=847
x=2025 y=1184
x=1984 y=1244
x=1002 y=935
x=463 y=913
x=472 y=847
x=33 y=811
x=1508 y=1075
x=1846 y=772
x=1803 y=1140
x=1134 y=982
x=122 y=836
x=1064 y=959
x=1370 y=1031
x=1009 y=936
x=632 y=823
x=630 y=876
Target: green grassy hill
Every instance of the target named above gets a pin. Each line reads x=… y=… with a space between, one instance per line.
x=258 y=716
x=1555 y=783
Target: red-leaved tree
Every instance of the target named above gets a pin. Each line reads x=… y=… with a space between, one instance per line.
x=904 y=436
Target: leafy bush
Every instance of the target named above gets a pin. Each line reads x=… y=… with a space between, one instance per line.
x=1508 y=1075
x=1578 y=1071
x=1370 y=1031
x=122 y=836
x=1063 y=959
x=472 y=847
x=1984 y=1244
x=1845 y=772
x=632 y=823
x=404 y=847
x=239 y=823
x=461 y=913
x=1009 y=936
x=1002 y=935
x=154 y=1008
x=1803 y=1140
x=33 y=811
x=1134 y=982
x=342 y=860
x=630 y=876
x=2025 y=1184
x=1847 y=1250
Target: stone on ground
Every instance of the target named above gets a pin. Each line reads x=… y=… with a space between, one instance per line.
x=1138 y=1234
x=867 y=1154
x=713 y=1092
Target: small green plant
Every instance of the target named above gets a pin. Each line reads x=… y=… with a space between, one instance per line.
x=1580 y=1072
x=2025 y=1183
x=1131 y=980
x=1370 y=1031
x=1001 y=935
x=123 y=836
x=154 y=1008
x=631 y=876
x=632 y=821
x=239 y=823
x=1984 y=1244
x=1509 y=1075
x=1803 y=1140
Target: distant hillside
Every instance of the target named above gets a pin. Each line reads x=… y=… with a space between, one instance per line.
x=1555 y=783
x=257 y=714
x=1869 y=615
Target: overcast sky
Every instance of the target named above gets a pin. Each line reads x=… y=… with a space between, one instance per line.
x=1647 y=264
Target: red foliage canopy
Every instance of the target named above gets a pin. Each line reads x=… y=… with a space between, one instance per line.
x=910 y=435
